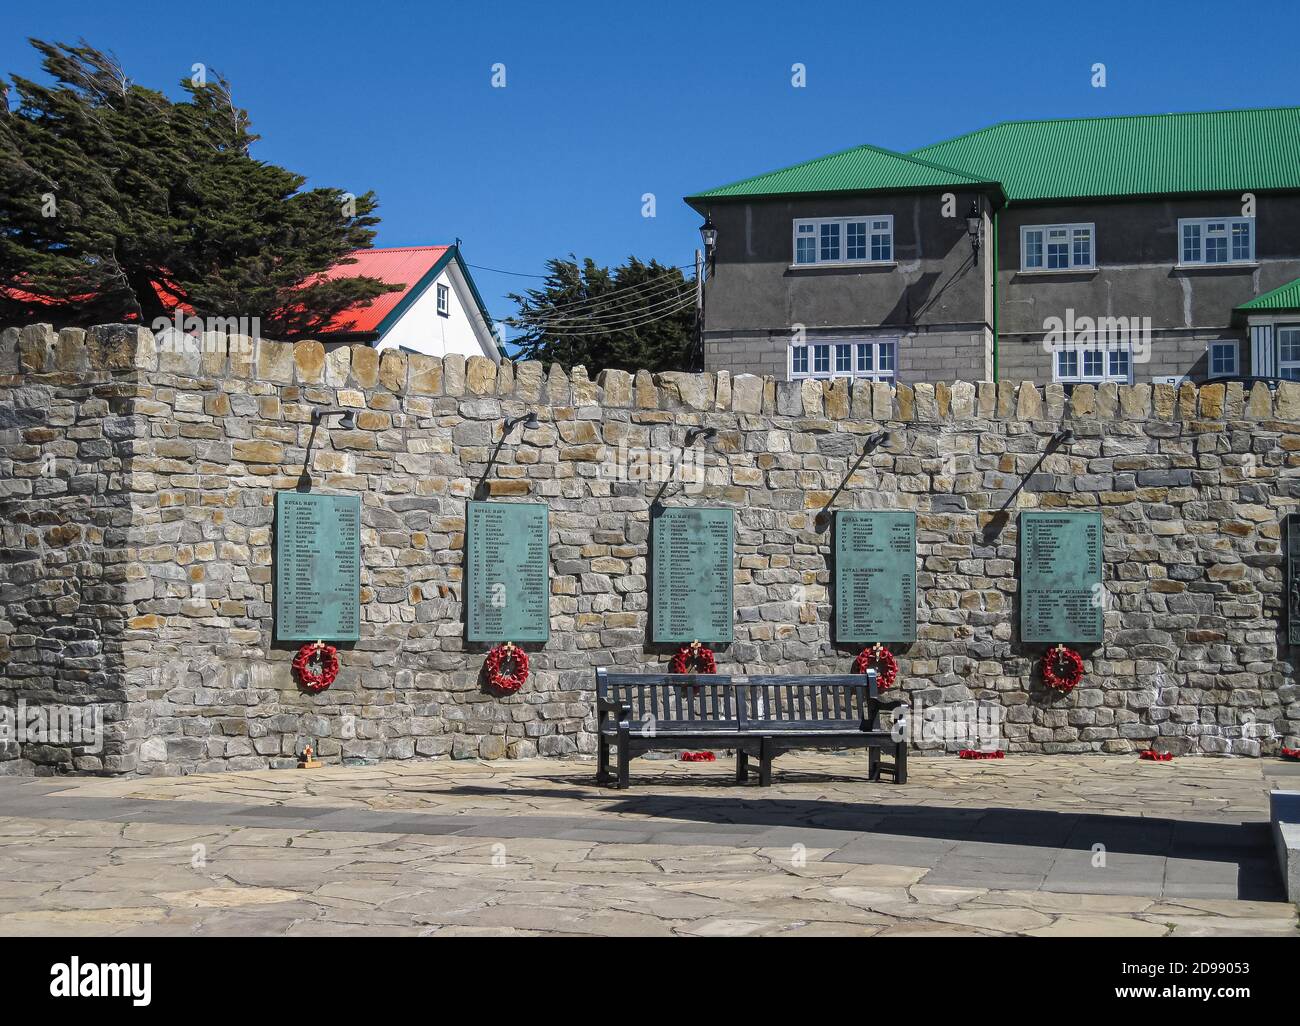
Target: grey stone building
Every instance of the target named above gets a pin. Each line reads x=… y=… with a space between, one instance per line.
x=1122 y=249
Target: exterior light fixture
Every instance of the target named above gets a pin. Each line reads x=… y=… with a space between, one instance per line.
x=975 y=227
x=708 y=433
x=347 y=418
x=1062 y=437
x=528 y=420
x=709 y=233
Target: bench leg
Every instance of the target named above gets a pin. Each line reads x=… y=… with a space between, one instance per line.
x=764 y=763
x=742 y=766
x=900 y=763
x=602 y=759
x=624 y=757
x=873 y=763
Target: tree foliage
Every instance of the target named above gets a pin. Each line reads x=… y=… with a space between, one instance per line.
x=109 y=189
x=638 y=315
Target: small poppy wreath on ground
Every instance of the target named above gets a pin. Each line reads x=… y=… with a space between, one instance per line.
x=698 y=757
x=1062 y=669
x=1291 y=753
x=693 y=658
x=882 y=660
x=515 y=658
x=975 y=753
x=326 y=656
x=1154 y=756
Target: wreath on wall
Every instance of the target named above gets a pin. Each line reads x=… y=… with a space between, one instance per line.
x=1062 y=669
x=693 y=658
x=316 y=666
x=507 y=667
x=877 y=657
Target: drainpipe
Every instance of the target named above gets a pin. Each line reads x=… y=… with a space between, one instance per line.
x=995 y=294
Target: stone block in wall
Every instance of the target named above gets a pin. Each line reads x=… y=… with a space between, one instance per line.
x=558 y=391
x=1288 y=400
x=528 y=381
x=943 y=399
x=1164 y=400
x=338 y=364
x=906 y=403
x=882 y=401
x=179 y=353
x=71 y=354
x=722 y=391
x=747 y=394
x=811 y=394
x=214 y=346
x=1006 y=399
x=1135 y=402
x=1083 y=401
x=480 y=375
x=585 y=391
x=1107 y=399
x=241 y=350
x=1212 y=397
x=36 y=348
x=309 y=362
x=453 y=374
x=789 y=398
x=1187 y=401
x=616 y=386
x=125 y=346
x=1260 y=404
x=10 y=362
x=927 y=409
x=365 y=366
x=393 y=371
x=835 y=399
x=963 y=400
x=275 y=362
x=424 y=374
x=694 y=391
x=1029 y=405
x=1054 y=399
x=1234 y=402
x=506 y=377
x=769 y=394
x=647 y=393
x=988 y=399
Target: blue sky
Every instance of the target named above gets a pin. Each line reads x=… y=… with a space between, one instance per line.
x=606 y=102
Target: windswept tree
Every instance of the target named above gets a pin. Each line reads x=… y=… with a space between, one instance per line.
x=117 y=202
x=636 y=316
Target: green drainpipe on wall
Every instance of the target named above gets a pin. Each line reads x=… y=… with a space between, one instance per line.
x=995 y=295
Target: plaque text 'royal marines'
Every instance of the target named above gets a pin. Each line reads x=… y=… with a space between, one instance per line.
x=693 y=551
x=507 y=572
x=875 y=576
x=1061 y=596
x=317 y=567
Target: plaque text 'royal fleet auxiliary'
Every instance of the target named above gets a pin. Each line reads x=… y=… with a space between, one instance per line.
x=317 y=567
x=693 y=551
x=1060 y=577
x=875 y=576
x=507 y=572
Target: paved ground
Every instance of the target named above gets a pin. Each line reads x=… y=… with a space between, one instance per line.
x=1026 y=845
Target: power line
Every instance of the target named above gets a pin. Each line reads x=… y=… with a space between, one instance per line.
x=641 y=292
x=682 y=305
x=602 y=317
x=525 y=274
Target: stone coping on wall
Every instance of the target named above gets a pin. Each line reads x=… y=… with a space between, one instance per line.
x=113 y=351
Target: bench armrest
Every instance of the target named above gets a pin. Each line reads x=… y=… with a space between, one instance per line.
x=621 y=710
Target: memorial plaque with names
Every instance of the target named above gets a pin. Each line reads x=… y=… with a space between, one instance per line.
x=507 y=572
x=1293 y=578
x=317 y=567
x=875 y=576
x=1060 y=577
x=693 y=551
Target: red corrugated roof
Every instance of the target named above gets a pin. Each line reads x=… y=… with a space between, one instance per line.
x=403 y=265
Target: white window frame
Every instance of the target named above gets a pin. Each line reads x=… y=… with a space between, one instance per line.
x=1203 y=224
x=813 y=228
x=1081 y=354
x=1071 y=263
x=443 y=298
x=1236 y=358
x=1284 y=365
x=828 y=353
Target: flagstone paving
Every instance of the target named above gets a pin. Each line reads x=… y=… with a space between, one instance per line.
x=1030 y=845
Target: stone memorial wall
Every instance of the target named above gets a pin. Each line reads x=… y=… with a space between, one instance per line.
x=138 y=485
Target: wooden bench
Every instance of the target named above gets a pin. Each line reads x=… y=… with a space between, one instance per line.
x=755 y=715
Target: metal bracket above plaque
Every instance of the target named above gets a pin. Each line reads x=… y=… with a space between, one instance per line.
x=1061 y=595
x=507 y=572
x=317 y=567
x=875 y=576
x=692 y=555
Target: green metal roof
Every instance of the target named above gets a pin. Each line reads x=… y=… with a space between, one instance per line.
x=1212 y=151
x=861 y=169
x=1284 y=297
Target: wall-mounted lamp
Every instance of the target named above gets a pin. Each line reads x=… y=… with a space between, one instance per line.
x=975 y=228
x=1062 y=437
x=528 y=420
x=707 y=433
x=709 y=234
x=347 y=418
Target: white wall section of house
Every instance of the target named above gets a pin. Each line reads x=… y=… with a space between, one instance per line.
x=422 y=329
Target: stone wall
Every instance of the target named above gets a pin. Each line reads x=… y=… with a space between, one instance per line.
x=136 y=498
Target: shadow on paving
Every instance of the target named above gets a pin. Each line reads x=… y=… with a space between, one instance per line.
x=998 y=845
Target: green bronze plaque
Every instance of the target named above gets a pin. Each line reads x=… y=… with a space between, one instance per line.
x=507 y=572
x=875 y=576
x=1060 y=577
x=693 y=550
x=317 y=567
x=1292 y=535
